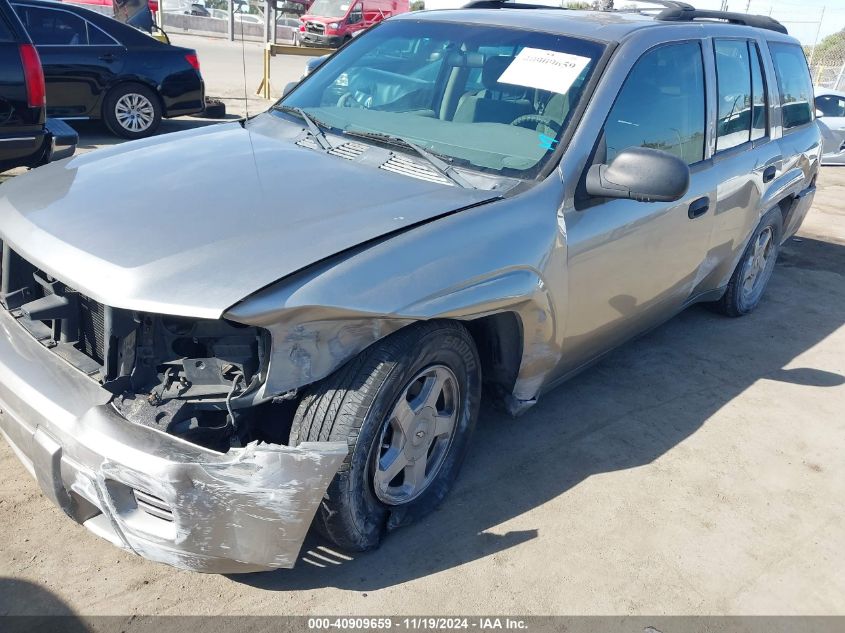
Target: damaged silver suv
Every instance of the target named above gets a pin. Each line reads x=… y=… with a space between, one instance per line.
x=303 y=322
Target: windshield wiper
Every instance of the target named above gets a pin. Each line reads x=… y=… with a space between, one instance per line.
x=441 y=166
x=315 y=127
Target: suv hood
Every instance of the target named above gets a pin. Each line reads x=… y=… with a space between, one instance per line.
x=191 y=223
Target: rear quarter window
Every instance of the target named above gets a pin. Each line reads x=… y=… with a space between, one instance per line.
x=5 y=31
x=794 y=84
x=96 y=37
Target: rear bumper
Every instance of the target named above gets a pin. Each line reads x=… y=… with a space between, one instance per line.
x=30 y=149
x=148 y=492
x=183 y=93
x=63 y=139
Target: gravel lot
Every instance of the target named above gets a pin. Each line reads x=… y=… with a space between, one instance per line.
x=697 y=470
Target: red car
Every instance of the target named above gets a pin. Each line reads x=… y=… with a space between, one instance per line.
x=109 y=3
x=332 y=23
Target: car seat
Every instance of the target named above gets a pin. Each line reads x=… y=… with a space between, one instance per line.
x=497 y=102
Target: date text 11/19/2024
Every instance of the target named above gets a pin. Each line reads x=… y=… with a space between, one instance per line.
x=418 y=623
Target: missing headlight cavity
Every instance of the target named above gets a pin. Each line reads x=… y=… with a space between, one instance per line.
x=194 y=378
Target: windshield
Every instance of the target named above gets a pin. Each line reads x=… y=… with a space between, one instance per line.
x=485 y=98
x=329 y=8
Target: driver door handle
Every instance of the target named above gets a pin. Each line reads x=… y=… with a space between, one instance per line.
x=769 y=173
x=699 y=207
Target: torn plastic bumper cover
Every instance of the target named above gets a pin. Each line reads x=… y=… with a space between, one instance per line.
x=148 y=492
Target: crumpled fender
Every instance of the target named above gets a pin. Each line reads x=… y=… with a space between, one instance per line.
x=472 y=264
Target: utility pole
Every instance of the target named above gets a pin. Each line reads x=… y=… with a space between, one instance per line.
x=818 y=32
x=231 y=24
x=838 y=81
x=747 y=6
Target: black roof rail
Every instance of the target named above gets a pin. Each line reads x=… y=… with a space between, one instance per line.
x=674 y=11
x=505 y=4
x=671 y=4
x=683 y=14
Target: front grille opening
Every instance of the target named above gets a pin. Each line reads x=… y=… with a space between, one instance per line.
x=152 y=505
x=73 y=325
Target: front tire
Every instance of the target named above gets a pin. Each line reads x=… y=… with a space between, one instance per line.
x=132 y=111
x=752 y=273
x=406 y=407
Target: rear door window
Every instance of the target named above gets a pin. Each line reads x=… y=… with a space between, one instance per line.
x=53 y=27
x=794 y=84
x=733 y=84
x=661 y=104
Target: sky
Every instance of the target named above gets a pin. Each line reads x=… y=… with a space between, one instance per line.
x=800 y=17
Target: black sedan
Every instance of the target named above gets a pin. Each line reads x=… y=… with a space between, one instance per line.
x=26 y=138
x=99 y=68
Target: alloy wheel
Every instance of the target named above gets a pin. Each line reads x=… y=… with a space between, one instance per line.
x=758 y=260
x=134 y=112
x=416 y=436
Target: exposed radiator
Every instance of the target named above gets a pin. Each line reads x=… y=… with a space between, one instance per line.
x=92 y=328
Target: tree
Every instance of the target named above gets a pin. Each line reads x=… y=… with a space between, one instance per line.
x=832 y=47
x=418 y=5
x=603 y=5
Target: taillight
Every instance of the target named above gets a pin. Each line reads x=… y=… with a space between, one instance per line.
x=36 y=93
x=193 y=60
x=302 y=28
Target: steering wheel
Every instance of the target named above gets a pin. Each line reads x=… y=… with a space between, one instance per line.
x=348 y=100
x=525 y=119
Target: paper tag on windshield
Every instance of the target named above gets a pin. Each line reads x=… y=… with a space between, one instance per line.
x=545 y=70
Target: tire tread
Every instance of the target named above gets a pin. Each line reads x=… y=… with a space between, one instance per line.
x=335 y=408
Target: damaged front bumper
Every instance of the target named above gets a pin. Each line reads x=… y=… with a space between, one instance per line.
x=146 y=491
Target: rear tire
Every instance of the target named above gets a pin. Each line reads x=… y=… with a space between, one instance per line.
x=752 y=273
x=132 y=111
x=392 y=404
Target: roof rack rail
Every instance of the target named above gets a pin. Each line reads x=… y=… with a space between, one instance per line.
x=500 y=4
x=683 y=14
x=671 y=4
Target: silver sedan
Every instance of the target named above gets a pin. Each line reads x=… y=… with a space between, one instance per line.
x=830 y=114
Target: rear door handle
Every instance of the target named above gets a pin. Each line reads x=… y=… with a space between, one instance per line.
x=108 y=57
x=769 y=173
x=699 y=207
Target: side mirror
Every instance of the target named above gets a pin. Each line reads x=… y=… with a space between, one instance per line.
x=640 y=173
x=819 y=113
x=313 y=64
x=288 y=87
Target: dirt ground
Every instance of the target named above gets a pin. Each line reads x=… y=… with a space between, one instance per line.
x=697 y=470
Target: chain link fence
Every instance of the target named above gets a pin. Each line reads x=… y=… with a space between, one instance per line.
x=827 y=61
x=828 y=70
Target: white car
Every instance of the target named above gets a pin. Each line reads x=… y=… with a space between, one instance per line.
x=830 y=114
x=248 y=18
